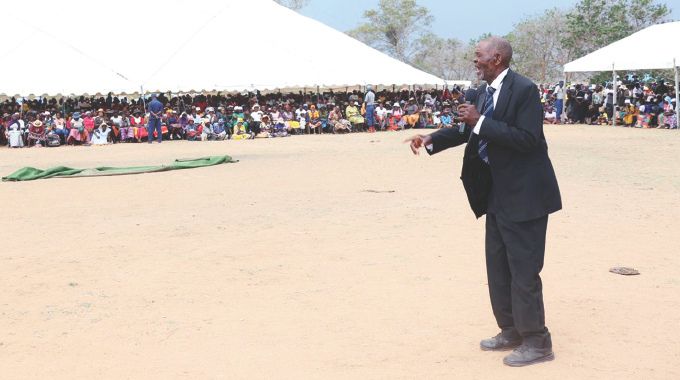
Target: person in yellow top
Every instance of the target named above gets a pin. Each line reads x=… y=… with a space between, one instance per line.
x=314 y=123
x=354 y=116
x=240 y=131
x=632 y=113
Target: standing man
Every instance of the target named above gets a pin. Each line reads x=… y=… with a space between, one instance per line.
x=609 y=102
x=369 y=101
x=559 y=101
x=155 y=114
x=508 y=176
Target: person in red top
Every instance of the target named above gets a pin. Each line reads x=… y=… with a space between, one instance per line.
x=137 y=123
x=36 y=133
x=88 y=123
x=201 y=103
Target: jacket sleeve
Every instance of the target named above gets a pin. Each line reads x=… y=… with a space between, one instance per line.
x=446 y=138
x=526 y=135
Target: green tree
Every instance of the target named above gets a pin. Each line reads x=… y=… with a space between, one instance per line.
x=443 y=57
x=643 y=13
x=593 y=24
x=537 y=45
x=396 y=27
x=449 y=58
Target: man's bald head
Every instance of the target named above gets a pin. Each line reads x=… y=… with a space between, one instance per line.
x=492 y=57
x=499 y=46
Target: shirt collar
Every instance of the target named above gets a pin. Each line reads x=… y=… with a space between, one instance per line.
x=499 y=79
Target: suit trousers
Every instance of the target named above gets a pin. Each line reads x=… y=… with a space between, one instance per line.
x=514 y=259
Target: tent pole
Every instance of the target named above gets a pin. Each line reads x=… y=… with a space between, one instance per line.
x=563 y=89
x=614 y=90
x=677 y=95
x=143 y=99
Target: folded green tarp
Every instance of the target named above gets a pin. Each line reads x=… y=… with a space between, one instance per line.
x=30 y=174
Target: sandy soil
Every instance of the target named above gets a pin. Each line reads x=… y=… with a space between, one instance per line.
x=283 y=266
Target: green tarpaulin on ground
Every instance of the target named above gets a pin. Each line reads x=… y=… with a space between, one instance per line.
x=30 y=174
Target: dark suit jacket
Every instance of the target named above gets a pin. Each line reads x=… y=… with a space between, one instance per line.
x=519 y=182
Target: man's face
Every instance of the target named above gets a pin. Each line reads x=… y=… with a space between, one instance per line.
x=486 y=62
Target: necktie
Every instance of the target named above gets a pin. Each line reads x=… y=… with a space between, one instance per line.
x=488 y=112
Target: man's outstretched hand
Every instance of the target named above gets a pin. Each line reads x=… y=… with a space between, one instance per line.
x=418 y=141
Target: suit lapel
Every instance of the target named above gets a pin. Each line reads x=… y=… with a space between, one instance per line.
x=481 y=99
x=504 y=96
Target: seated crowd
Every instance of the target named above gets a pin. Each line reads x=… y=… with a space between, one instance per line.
x=111 y=119
x=639 y=105
x=98 y=121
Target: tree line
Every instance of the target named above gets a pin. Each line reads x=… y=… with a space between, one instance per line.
x=542 y=43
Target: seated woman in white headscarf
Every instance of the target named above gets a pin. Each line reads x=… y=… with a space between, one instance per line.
x=14 y=132
x=100 y=135
x=265 y=126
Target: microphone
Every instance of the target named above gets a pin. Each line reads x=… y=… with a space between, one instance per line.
x=470 y=98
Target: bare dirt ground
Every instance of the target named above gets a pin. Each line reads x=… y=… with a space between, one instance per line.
x=284 y=266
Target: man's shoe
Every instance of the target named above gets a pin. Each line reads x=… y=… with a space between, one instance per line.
x=499 y=343
x=527 y=355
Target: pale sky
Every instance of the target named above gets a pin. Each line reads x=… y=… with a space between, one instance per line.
x=461 y=19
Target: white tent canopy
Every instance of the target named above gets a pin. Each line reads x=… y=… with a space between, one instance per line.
x=38 y=62
x=623 y=54
x=658 y=43
x=94 y=46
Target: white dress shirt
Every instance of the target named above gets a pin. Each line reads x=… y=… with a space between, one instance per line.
x=496 y=84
